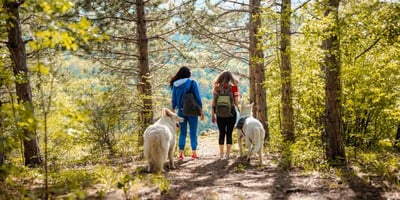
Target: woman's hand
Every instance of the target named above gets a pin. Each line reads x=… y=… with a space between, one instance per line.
x=213 y=118
x=201 y=115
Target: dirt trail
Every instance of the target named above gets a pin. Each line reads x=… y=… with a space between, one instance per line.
x=212 y=178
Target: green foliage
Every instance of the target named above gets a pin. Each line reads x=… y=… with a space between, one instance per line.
x=371 y=77
x=127 y=184
x=240 y=168
x=59 y=34
x=94 y=112
x=308 y=152
x=109 y=113
x=161 y=181
x=72 y=180
x=382 y=162
x=106 y=176
x=44 y=31
x=18 y=177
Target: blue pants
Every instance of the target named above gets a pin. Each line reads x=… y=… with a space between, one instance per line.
x=193 y=121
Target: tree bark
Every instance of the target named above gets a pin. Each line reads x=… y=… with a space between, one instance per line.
x=252 y=58
x=335 y=151
x=18 y=56
x=397 y=138
x=2 y=144
x=257 y=72
x=144 y=83
x=286 y=71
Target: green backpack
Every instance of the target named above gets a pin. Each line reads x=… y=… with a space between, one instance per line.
x=224 y=102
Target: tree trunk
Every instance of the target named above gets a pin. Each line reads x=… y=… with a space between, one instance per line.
x=257 y=72
x=252 y=58
x=252 y=82
x=335 y=151
x=286 y=71
x=144 y=84
x=397 y=138
x=16 y=47
x=2 y=144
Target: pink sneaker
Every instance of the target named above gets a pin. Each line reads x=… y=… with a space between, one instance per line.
x=181 y=156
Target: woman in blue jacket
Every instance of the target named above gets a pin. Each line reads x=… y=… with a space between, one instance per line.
x=180 y=84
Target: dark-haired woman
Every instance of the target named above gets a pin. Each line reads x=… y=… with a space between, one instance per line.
x=180 y=84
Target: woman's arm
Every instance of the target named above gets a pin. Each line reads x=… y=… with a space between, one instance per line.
x=235 y=91
x=213 y=117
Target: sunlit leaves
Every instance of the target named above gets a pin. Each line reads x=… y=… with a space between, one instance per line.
x=53 y=38
x=371 y=74
x=58 y=7
x=40 y=68
x=18 y=114
x=55 y=32
x=81 y=26
x=6 y=76
x=66 y=35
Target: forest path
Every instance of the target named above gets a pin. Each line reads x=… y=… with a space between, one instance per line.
x=212 y=178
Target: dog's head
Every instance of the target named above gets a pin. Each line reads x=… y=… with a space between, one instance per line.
x=247 y=110
x=172 y=116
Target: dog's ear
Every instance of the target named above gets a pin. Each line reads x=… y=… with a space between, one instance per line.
x=251 y=104
x=166 y=112
x=171 y=114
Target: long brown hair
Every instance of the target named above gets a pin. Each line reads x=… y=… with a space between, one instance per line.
x=225 y=77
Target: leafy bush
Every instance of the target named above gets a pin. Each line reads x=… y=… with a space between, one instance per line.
x=72 y=180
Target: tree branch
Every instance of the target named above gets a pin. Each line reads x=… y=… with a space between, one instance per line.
x=302 y=5
x=367 y=49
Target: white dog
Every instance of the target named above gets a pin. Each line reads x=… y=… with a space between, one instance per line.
x=252 y=131
x=159 y=141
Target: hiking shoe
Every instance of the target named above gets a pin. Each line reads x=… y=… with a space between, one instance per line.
x=194 y=156
x=221 y=156
x=180 y=157
x=227 y=157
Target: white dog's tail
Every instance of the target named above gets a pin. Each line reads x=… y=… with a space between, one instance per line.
x=259 y=135
x=153 y=150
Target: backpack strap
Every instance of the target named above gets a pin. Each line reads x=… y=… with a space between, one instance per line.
x=191 y=86
x=222 y=90
x=189 y=91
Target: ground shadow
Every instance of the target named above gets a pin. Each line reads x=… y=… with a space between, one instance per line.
x=282 y=185
x=217 y=167
x=241 y=163
x=210 y=173
x=361 y=187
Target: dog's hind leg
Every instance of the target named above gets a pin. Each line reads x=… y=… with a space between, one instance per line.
x=171 y=158
x=258 y=143
x=249 y=149
x=240 y=137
